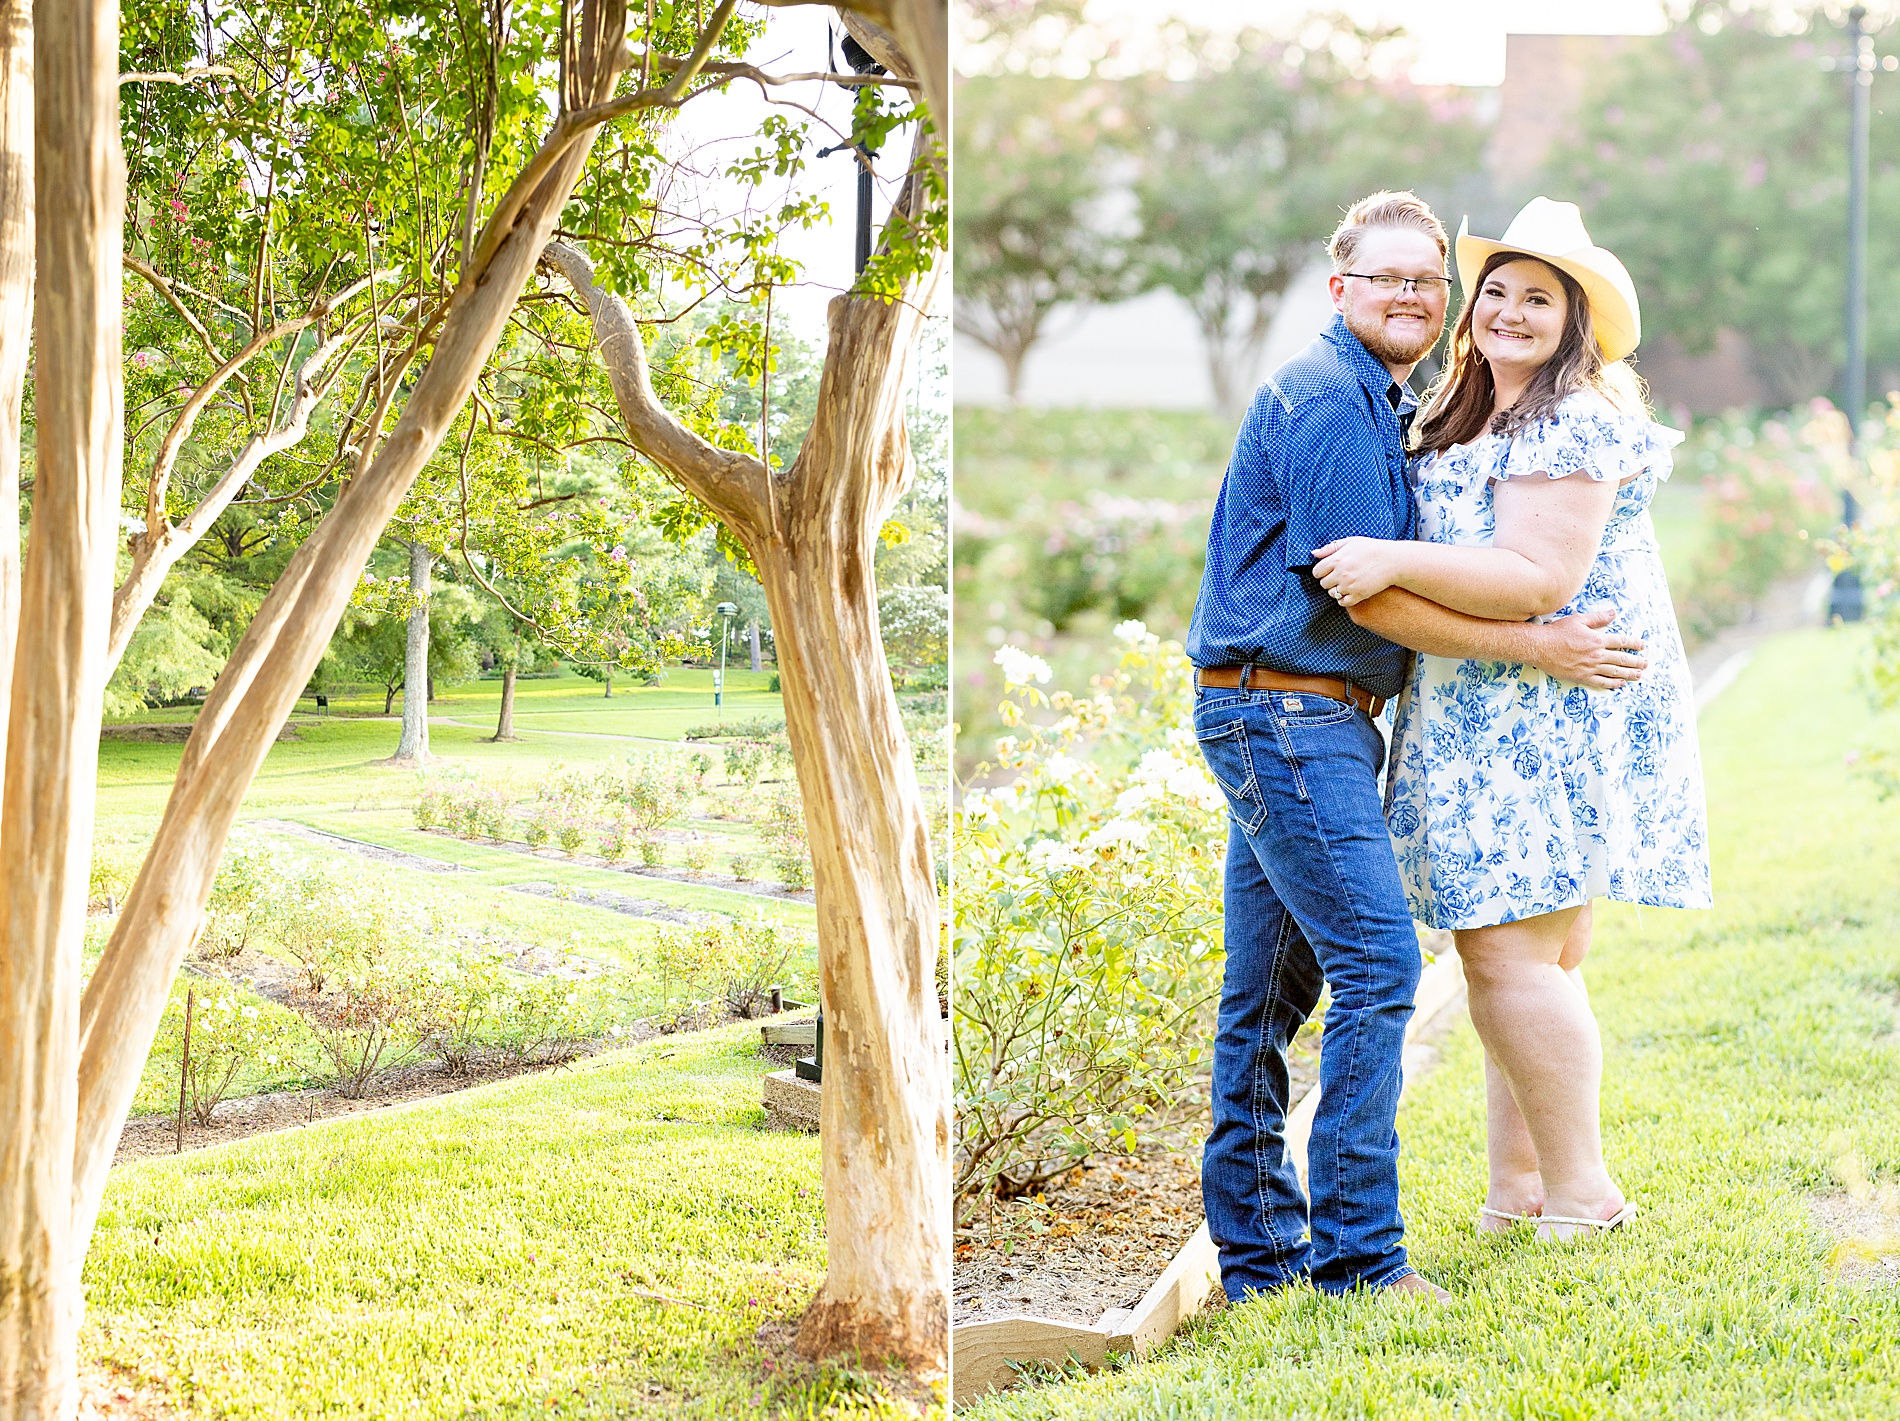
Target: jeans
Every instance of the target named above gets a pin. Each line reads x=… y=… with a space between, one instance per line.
x=1312 y=897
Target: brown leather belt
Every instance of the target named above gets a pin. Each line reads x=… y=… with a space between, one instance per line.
x=1255 y=677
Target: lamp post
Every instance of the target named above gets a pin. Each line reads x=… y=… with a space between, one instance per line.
x=1845 y=601
x=861 y=62
x=727 y=611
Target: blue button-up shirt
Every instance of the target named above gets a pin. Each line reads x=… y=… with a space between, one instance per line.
x=1320 y=455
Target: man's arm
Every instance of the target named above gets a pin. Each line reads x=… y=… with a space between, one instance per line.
x=1573 y=648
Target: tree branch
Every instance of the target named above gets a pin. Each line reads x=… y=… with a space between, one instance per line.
x=736 y=486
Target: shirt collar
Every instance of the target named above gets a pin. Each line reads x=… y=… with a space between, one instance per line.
x=1367 y=366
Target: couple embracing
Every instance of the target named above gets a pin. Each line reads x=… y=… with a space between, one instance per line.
x=1486 y=560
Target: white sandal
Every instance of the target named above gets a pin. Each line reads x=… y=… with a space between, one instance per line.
x=1615 y=1221
x=1487 y=1212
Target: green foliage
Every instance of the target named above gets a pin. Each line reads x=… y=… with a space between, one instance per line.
x=731 y=962
x=782 y=831
x=461 y=1007
x=335 y=924
x=1767 y=491
x=371 y=1014
x=237 y=1039
x=243 y=896
x=1086 y=926
x=756 y=727
x=915 y=624
x=1713 y=160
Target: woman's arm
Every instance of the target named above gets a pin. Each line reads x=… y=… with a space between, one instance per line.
x=1545 y=537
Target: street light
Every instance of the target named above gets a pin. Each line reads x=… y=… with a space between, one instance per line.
x=861 y=62
x=727 y=610
x=1845 y=600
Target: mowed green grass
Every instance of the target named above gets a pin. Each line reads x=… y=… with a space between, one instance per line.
x=332 y=777
x=488 y=1254
x=1751 y=1052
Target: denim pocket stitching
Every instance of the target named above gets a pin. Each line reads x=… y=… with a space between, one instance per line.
x=1249 y=792
x=1344 y=713
x=1292 y=759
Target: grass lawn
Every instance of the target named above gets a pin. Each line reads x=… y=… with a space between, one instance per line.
x=491 y=1254
x=1752 y=1065
x=331 y=778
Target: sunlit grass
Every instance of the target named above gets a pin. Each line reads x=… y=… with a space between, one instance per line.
x=605 y=1240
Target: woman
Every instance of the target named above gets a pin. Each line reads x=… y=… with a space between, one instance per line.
x=1515 y=800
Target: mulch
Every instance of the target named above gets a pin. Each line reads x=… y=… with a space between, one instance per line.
x=1100 y=1235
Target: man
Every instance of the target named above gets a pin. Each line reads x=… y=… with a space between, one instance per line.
x=1288 y=686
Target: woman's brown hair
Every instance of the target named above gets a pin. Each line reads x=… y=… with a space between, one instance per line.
x=1458 y=404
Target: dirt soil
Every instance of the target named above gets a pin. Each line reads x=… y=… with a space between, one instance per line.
x=1101 y=1235
x=147 y=1136
x=1866 y=1236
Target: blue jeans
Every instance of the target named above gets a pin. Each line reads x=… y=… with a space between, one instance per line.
x=1312 y=897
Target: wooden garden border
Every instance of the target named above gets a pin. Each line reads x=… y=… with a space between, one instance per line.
x=984 y=1355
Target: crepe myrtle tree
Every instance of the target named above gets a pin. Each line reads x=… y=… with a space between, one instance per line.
x=810 y=529
x=69 y=1066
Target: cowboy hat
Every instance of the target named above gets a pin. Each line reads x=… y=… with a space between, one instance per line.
x=1553 y=232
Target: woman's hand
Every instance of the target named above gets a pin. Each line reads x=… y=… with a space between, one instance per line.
x=1353 y=569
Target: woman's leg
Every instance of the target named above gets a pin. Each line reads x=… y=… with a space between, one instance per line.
x=1516 y=1184
x=1537 y=1027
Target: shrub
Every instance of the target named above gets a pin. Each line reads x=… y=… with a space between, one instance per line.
x=433 y=804
x=742 y=867
x=650 y=852
x=234 y=1034
x=540 y=827
x=329 y=922
x=1764 y=492
x=570 y=832
x=370 y=1017
x=615 y=838
x=655 y=791
x=547 y=1020
x=785 y=839
x=115 y=868
x=753 y=728
x=698 y=854
x=756 y=953
x=458 y=1011
x=247 y=876
x=745 y=761
x=1086 y=926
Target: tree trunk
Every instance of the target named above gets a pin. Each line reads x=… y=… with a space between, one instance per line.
x=287 y=636
x=607 y=682
x=752 y=633
x=505 y=727
x=414 y=744
x=52 y=754
x=389 y=698
x=812 y=533
x=16 y=308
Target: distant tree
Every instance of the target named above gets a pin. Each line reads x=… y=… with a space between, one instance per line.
x=1243 y=170
x=1713 y=160
x=1031 y=233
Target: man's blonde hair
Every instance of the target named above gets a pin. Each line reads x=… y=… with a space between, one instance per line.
x=1383 y=209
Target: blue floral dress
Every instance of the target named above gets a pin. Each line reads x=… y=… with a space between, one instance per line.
x=1511 y=793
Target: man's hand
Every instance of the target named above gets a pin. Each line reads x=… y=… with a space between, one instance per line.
x=1577 y=649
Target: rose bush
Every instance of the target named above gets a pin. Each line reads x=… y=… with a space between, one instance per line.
x=1086 y=927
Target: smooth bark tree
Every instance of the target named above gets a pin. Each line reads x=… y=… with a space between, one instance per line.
x=46 y=813
x=811 y=531
x=69 y=1066
x=16 y=307
x=414 y=745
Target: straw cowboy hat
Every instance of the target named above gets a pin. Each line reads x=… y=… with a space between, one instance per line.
x=1553 y=232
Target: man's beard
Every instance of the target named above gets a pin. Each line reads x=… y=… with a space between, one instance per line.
x=1372 y=335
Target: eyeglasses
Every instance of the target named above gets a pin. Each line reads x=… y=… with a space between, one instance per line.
x=1387 y=285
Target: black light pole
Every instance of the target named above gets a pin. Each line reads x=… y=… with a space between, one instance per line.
x=1845 y=600
x=861 y=62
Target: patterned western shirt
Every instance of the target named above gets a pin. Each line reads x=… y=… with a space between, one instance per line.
x=1320 y=455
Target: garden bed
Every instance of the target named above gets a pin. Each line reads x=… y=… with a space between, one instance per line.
x=1118 y=1256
